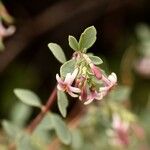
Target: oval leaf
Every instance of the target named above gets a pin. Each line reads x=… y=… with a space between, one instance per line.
x=67 y=67
x=62 y=102
x=57 y=52
x=11 y=129
x=96 y=60
x=28 y=97
x=73 y=43
x=61 y=129
x=87 y=38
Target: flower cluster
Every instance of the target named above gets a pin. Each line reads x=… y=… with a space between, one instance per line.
x=87 y=81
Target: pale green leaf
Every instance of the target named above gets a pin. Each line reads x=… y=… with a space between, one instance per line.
x=77 y=140
x=28 y=97
x=87 y=38
x=67 y=67
x=96 y=60
x=122 y=93
x=24 y=142
x=62 y=102
x=73 y=43
x=18 y=114
x=46 y=123
x=10 y=129
x=57 y=52
x=61 y=129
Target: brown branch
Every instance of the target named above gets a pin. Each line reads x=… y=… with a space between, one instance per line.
x=54 y=16
x=32 y=126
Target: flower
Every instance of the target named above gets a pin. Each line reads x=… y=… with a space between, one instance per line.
x=93 y=95
x=66 y=84
x=120 y=132
x=96 y=71
x=6 y=32
x=109 y=82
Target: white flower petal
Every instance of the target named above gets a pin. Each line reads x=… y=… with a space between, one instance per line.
x=59 y=87
x=68 y=78
x=88 y=101
x=113 y=78
x=59 y=80
x=72 y=94
x=74 y=89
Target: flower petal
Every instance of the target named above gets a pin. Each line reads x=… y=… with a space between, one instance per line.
x=72 y=94
x=112 y=78
x=88 y=101
x=61 y=88
x=74 y=89
x=67 y=78
x=59 y=80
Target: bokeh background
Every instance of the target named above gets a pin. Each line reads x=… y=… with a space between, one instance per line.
x=123 y=41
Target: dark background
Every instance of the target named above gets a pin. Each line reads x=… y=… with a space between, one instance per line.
x=27 y=61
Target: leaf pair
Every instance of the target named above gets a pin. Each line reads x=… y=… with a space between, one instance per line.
x=87 y=39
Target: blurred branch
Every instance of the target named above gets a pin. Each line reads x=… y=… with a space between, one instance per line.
x=46 y=21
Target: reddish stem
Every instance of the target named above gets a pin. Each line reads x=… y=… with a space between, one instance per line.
x=31 y=127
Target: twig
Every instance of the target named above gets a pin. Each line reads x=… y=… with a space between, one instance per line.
x=32 y=126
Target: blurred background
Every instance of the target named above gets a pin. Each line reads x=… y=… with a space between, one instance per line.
x=123 y=41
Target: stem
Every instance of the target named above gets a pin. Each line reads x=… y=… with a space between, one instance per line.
x=31 y=127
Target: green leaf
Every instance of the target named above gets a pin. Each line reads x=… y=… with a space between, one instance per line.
x=28 y=97
x=77 y=139
x=67 y=67
x=18 y=114
x=24 y=142
x=87 y=38
x=61 y=129
x=62 y=102
x=122 y=93
x=10 y=129
x=96 y=60
x=73 y=43
x=46 y=123
x=57 y=52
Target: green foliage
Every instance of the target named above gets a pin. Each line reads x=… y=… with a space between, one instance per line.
x=62 y=102
x=20 y=114
x=96 y=60
x=67 y=67
x=61 y=129
x=73 y=43
x=24 y=142
x=77 y=140
x=87 y=38
x=57 y=52
x=46 y=123
x=10 y=129
x=122 y=93
x=28 y=97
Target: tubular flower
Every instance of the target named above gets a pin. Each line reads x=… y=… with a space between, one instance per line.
x=66 y=84
x=120 y=131
x=93 y=95
x=86 y=80
x=109 y=82
x=96 y=71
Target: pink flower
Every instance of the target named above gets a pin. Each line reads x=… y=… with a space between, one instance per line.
x=6 y=32
x=109 y=82
x=96 y=71
x=93 y=95
x=120 y=131
x=66 y=84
